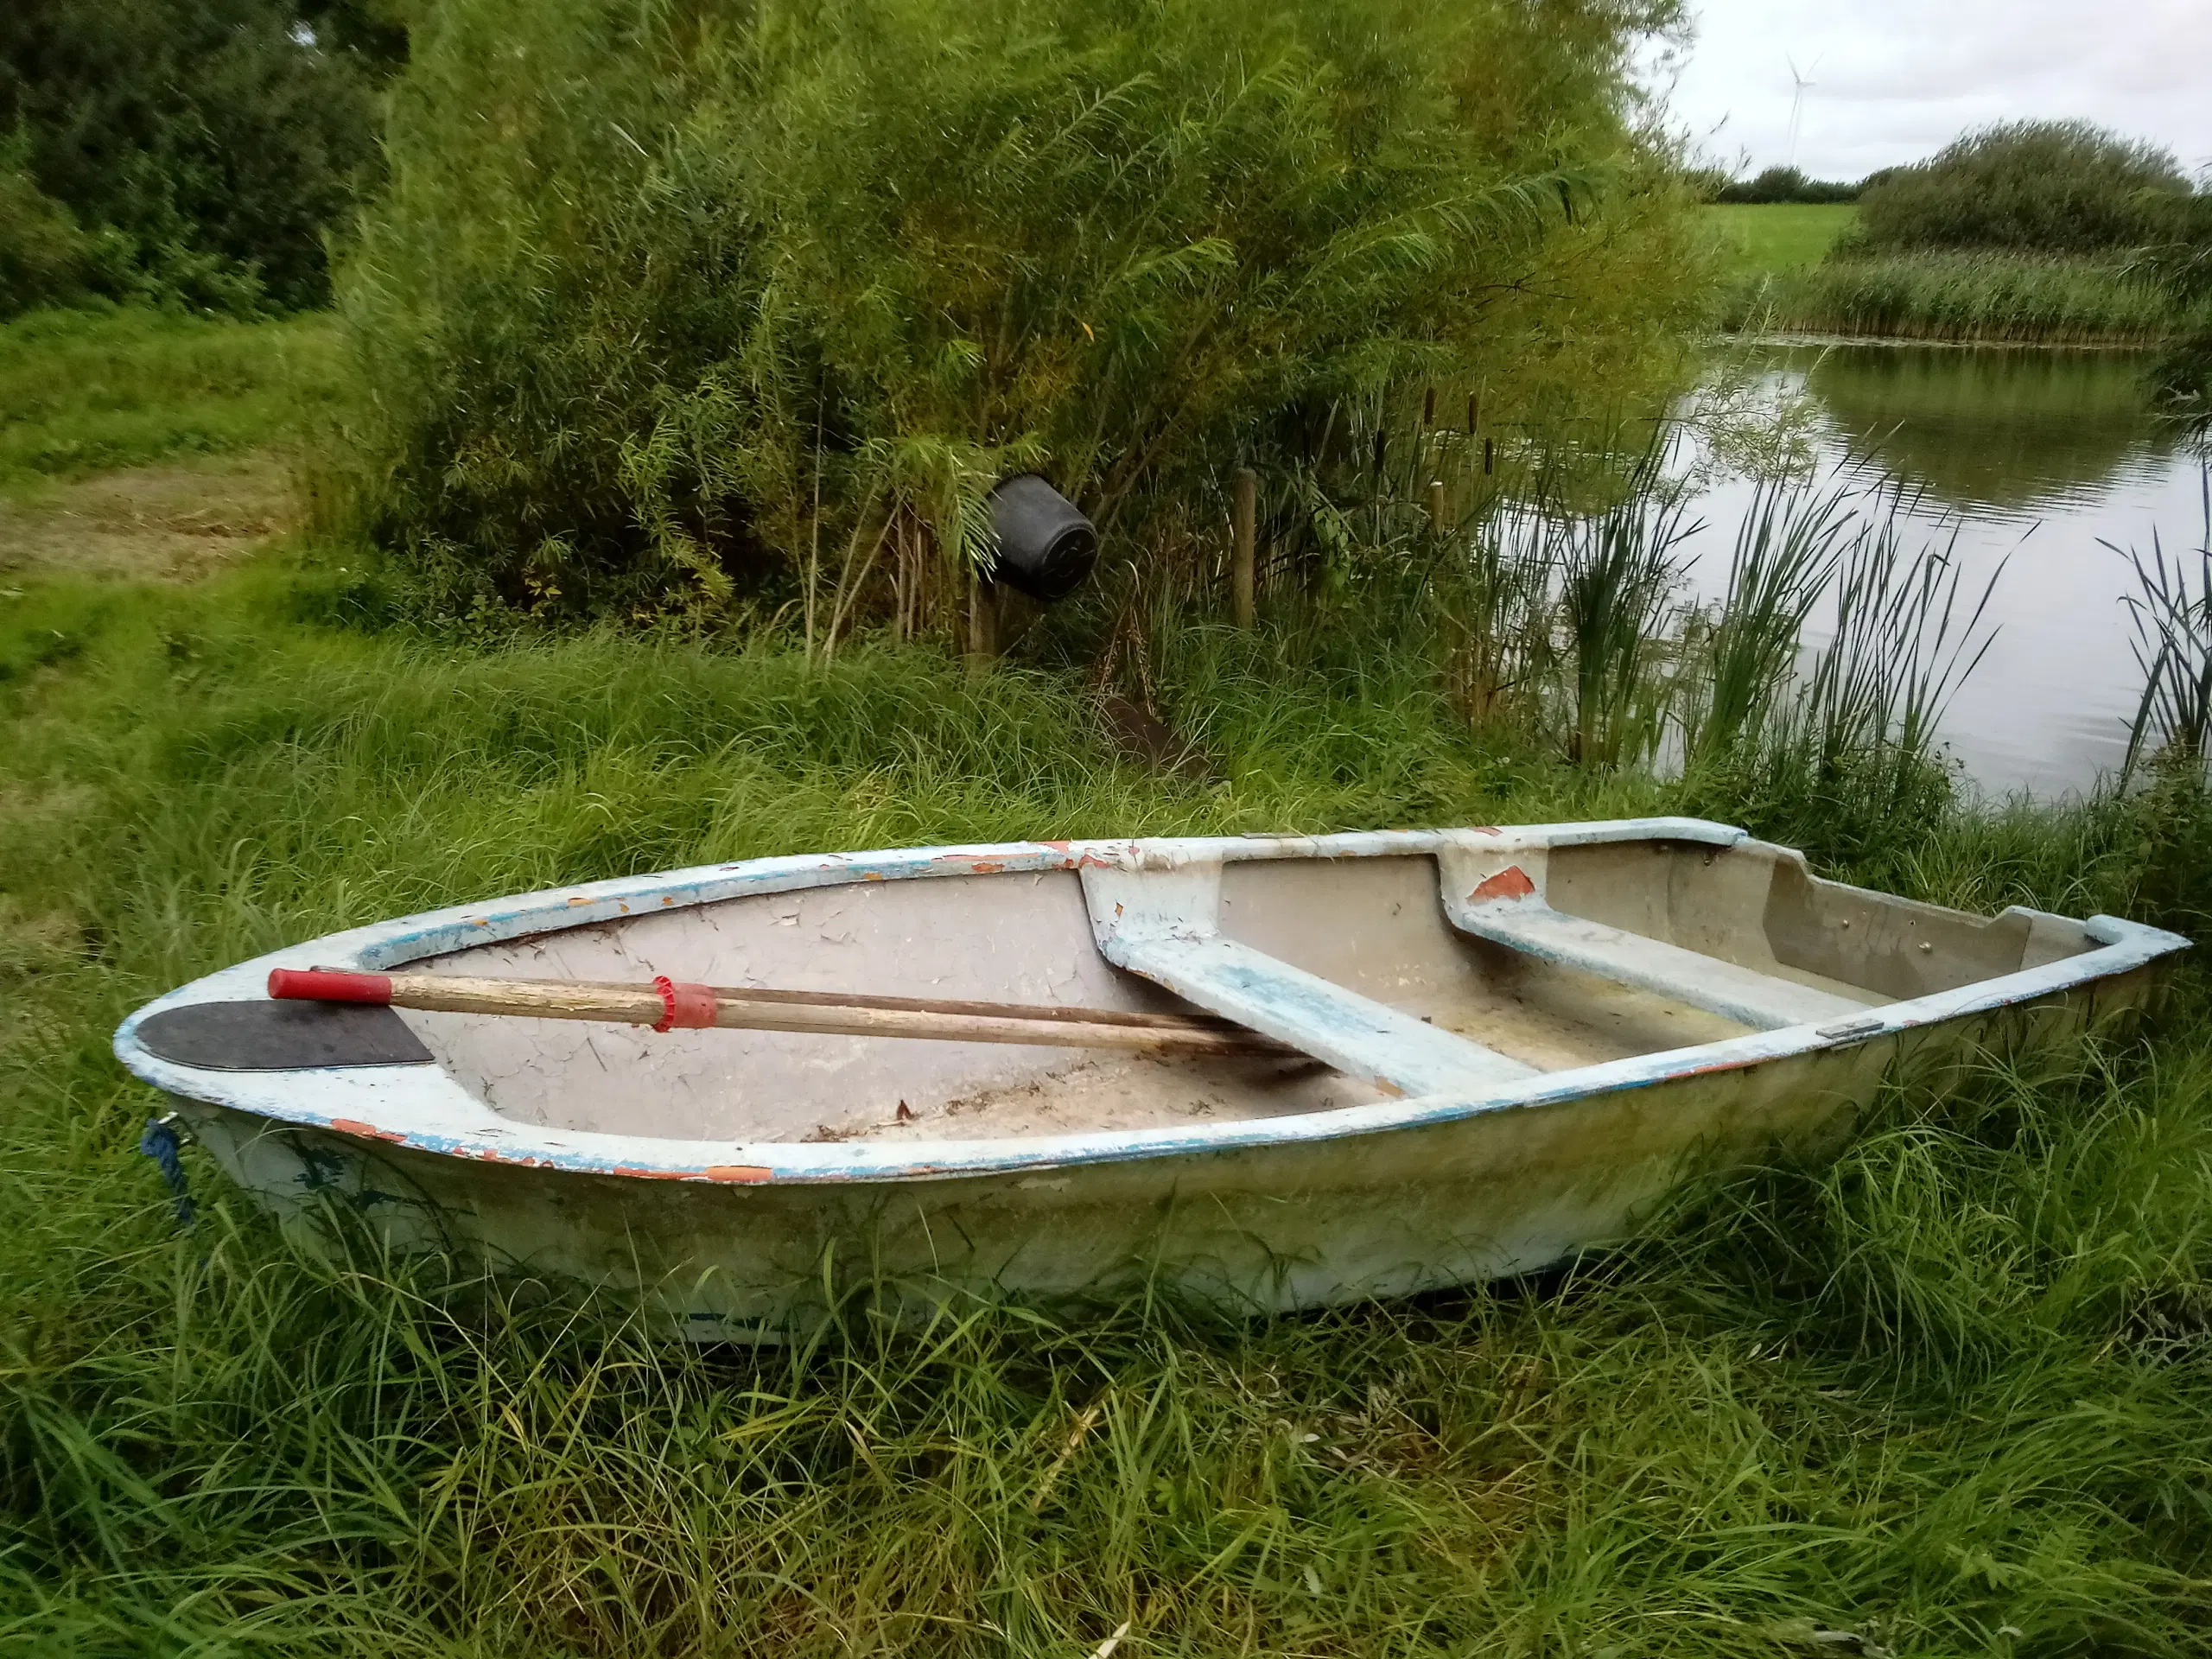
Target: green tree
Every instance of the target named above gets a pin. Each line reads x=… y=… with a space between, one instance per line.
x=1786 y=184
x=219 y=139
x=43 y=255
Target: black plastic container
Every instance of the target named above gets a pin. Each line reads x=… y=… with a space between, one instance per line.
x=1046 y=547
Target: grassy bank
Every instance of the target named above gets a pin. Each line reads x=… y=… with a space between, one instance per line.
x=90 y=391
x=1948 y=1395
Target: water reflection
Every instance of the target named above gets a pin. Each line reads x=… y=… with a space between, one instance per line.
x=1993 y=432
x=2033 y=460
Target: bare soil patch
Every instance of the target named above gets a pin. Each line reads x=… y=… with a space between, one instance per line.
x=171 y=523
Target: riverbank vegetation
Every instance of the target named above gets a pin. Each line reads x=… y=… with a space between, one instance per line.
x=645 y=494
x=1996 y=298
x=1946 y=1393
x=2047 y=232
x=659 y=319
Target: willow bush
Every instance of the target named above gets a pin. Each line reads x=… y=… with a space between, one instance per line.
x=706 y=303
x=2038 y=188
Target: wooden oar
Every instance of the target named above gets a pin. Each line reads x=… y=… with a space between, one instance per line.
x=665 y=1004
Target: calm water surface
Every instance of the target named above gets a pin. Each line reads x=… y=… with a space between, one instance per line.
x=2036 y=460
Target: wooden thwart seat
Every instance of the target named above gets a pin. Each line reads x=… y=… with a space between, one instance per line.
x=1764 y=1002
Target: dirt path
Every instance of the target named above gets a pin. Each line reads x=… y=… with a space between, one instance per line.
x=169 y=522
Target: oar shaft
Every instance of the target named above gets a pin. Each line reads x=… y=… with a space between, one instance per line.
x=665 y=1005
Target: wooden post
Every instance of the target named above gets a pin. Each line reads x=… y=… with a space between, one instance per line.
x=982 y=624
x=1245 y=535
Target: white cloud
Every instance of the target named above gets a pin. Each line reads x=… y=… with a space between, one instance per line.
x=1894 y=79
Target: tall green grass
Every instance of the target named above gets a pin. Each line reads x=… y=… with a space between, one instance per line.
x=1787 y=555
x=90 y=391
x=1946 y=1395
x=1981 y=295
x=2172 y=611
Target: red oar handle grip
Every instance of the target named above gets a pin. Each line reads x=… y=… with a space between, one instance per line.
x=328 y=985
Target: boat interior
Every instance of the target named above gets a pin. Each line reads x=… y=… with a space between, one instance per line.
x=1390 y=976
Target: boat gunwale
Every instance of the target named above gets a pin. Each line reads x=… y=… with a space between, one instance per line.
x=423 y=1109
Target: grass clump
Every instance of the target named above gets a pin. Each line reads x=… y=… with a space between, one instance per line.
x=91 y=391
x=1946 y=1395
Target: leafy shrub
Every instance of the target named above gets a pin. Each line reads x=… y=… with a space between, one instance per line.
x=215 y=140
x=43 y=255
x=673 y=304
x=2030 y=186
x=2181 y=262
x=1786 y=184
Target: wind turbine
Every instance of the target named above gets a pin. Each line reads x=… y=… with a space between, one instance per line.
x=1797 y=101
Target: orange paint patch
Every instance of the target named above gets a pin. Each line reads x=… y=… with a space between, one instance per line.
x=652 y=1174
x=987 y=867
x=1511 y=882
x=747 y=1172
x=354 y=1126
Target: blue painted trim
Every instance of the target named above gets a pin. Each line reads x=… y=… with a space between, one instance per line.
x=421 y=1109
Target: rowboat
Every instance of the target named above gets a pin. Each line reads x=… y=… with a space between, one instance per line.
x=1285 y=1071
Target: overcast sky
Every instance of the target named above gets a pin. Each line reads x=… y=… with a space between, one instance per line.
x=1895 y=79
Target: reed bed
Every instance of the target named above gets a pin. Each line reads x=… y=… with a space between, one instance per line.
x=2171 y=610
x=1985 y=296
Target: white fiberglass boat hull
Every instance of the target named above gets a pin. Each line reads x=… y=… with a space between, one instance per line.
x=1518 y=1039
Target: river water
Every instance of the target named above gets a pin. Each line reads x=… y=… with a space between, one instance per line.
x=2037 y=461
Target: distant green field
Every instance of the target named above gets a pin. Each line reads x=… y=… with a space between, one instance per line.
x=1783 y=237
